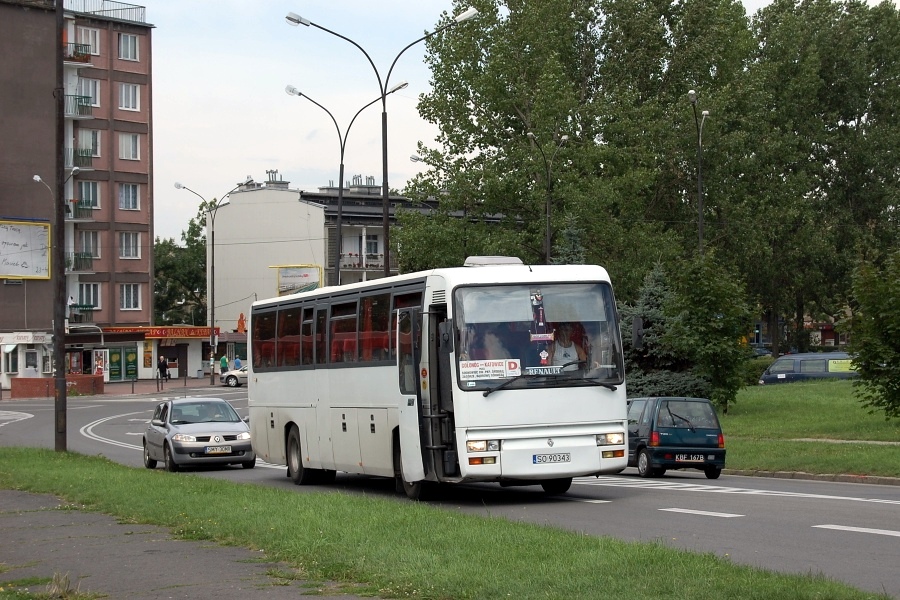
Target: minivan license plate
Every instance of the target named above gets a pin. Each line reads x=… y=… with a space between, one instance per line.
x=218 y=449
x=551 y=458
x=689 y=458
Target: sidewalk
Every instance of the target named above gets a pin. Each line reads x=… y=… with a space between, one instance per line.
x=43 y=538
x=152 y=386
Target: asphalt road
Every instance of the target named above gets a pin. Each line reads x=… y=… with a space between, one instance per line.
x=846 y=531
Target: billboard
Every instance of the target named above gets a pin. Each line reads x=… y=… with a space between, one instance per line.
x=298 y=278
x=24 y=250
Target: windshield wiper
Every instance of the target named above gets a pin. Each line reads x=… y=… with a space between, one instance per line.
x=507 y=383
x=688 y=421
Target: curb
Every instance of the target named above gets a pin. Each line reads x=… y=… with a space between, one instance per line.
x=832 y=477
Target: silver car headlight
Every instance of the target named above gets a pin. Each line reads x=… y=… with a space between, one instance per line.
x=244 y=435
x=183 y=437
x=610 y=439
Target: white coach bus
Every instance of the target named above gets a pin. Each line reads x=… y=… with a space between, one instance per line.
x=495 y=371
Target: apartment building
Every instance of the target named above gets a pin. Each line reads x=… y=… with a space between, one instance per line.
x=108 y=190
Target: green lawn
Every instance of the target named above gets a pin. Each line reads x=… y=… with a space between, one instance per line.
x=394 y=548
x=764 y=427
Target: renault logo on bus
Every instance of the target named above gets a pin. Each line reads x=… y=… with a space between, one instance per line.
x=550 y=442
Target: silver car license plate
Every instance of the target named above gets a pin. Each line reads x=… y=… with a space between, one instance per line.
x=218 y=449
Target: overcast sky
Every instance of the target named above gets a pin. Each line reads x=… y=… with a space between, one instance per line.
x=220 y=112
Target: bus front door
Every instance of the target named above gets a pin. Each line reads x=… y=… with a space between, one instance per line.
x=408 y=353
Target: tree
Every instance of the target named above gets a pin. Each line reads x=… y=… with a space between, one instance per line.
x=708 y=321
x=875 y=335
x=180 y=278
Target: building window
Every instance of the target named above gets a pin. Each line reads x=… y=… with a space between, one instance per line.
x=90 y=242
x=89 y=87
x=130 y=296
x=89 y=193
x=11 y=359
x=129 y=96
x=371 y=244
x=129 y=146
x=128 y=196
x=89 y=294
x=90 y=37
x=129 y=244
x=128 y=46
x=89 y=138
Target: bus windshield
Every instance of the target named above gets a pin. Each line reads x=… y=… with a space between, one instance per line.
x=552 y=335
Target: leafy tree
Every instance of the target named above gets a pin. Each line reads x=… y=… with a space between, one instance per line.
x=180 y=284
x=708 y=319
x=875 y=335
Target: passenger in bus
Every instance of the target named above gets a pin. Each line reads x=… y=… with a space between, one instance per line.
x=494 y=346
x=563 y=350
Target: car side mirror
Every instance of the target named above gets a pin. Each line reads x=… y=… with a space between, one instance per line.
x=246 y=419
x=157 y=422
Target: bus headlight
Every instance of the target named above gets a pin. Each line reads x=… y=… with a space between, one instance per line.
x=483 y=446
x=610 y=439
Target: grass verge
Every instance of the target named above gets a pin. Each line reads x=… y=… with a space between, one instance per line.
x=398 y=549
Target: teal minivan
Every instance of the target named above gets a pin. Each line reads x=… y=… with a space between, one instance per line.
x=809 y=365
x=674 y=433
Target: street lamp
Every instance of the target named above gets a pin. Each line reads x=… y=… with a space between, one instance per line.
x=212 y=207
x=58 y=274
x=295 y=19
x=692 y=96
x=342 y=140
x=548 y=166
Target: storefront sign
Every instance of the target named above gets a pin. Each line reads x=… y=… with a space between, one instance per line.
x=164 y=332
x=26 y=337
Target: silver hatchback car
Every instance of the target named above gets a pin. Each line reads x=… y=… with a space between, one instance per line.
x=197 y=431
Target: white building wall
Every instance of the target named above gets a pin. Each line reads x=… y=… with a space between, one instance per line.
x=257 y=229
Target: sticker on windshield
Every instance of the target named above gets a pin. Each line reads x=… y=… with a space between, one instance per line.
x=489 y=369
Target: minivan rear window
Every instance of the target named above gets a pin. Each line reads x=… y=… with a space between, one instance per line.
x=684 y=413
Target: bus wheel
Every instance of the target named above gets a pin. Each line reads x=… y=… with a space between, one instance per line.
x=557 y=486
x=297 y=472
x=413 y=491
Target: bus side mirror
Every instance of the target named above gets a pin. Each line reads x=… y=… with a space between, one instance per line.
x=637 y=333
x=445 y=331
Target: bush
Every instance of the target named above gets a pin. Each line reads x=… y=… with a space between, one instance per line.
x=753 y=368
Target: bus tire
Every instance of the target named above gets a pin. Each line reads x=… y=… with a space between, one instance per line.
x=557 y=486
x=413 y=491
x=296 y=470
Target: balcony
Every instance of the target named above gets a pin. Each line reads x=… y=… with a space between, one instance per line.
x=78 y=212
x=80 y=157
x=79 y=262
x=365 y=262
x=81 y=313
x=79 y=54
x=79 y=107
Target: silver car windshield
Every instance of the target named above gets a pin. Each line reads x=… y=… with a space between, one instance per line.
x=552 y=335
x=203 y=412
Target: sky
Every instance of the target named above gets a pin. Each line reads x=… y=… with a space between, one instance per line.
x=220 y=112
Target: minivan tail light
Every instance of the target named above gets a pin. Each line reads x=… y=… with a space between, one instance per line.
x=721 y=441
x=654 y=439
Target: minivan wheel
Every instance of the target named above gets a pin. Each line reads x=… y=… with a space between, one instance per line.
x=643 y=464
x=712 y=472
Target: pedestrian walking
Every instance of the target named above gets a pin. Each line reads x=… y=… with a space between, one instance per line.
x=223 y=364
x=163 y=367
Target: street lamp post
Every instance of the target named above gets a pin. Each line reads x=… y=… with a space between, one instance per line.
x=342 y=140
x=295 y=19
x=58 y=276
x=548 y=166
x=692 y=96
x=212 y=208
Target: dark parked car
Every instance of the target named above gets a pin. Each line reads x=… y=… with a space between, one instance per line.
x=808 y=365
x=674 y=433
x=197 y=431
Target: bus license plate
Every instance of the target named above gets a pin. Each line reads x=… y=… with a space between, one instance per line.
x=689 y=458
x=218 y=449
x=551 y=458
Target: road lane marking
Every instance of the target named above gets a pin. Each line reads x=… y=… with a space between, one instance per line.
x=613 y=481
x=589 y=501
x=11 y=416
x=703 y=513
x=859 y=529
